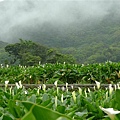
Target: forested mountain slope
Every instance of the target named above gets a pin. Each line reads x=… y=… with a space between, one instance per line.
x=3 y=54
x=95 y=42
x=94 y=39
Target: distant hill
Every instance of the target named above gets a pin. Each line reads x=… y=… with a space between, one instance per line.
x=88 y=42
x=3 y=54
x=95 y=42
x=3 y=44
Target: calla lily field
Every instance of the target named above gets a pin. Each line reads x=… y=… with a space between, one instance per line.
x=60 y=103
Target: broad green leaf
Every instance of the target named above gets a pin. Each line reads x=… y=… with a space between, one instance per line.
x=6 y=117
x=37 y=112
x=61 y=109
x=32 y=98
x=117 y=98
x=45 y=97
x=45 y=103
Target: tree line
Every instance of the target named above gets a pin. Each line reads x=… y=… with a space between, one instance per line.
x=27 y=52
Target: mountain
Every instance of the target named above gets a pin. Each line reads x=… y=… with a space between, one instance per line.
x=89 y=41
x=3 y=54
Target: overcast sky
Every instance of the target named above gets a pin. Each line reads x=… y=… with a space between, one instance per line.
x=18 y=15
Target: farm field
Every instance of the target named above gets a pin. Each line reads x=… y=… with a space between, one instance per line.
x=20 y=103
x=60 y=103
x=108 y=72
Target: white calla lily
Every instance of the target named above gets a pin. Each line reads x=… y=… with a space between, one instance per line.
x=110 y=112
x=6 y=83
x=72 y=87
x=63 y=88
x=17 y=85
x=98 y=84
x=44 y=87
x=85 y=92
x=62 y=98
x=20 y=84
x=80 y=90
x=66 y=87
x=55 y=83
x=26 y=92
x=11 y=90
x=74 y=96
x=89 y=90
x=110 y=89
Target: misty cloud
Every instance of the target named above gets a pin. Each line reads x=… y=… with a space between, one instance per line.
x=22 y=18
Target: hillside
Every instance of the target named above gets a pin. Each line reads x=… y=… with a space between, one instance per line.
x=93 y=40
x=3 y=54
x=97 y=42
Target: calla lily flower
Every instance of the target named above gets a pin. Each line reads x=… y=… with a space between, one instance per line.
x=110 y=112
x=11 y=90
x=44 y=87
x=80 y=90
x=55 y=83
x=74 y=96
x=20 y=84
x=17 y=85
x=110 y=89
x=63 y=88
x=85 y=92
x=98 y=84
x=62 y=98
x=66 y=87
x=26 y=92
x=6 y=83
x=72 y=87
x=38 y=90
x=7 y=65
x=89 y=90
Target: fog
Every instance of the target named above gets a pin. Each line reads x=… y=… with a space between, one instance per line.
x=23 y=18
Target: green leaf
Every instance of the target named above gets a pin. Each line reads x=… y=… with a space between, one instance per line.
x=45 y=103
x=45 y=97
x=35 y=112
x=32 y=98
x=117 y=98
x=61 y=109
x=6 y=117
x=80 y=113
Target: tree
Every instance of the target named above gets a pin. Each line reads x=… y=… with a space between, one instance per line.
x=30 y=53
x=27 y=52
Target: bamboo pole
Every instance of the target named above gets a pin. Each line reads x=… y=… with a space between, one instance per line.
x=59 y=85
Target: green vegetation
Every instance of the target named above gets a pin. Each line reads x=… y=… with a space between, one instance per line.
x=29 y=53
x=19 y=103
x=108 y=72
x=89 y=43
x=3 y=54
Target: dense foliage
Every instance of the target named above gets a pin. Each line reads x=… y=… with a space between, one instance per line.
x=3 y=54
x=19 y=103
x=108 y=72
x=30 y=53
